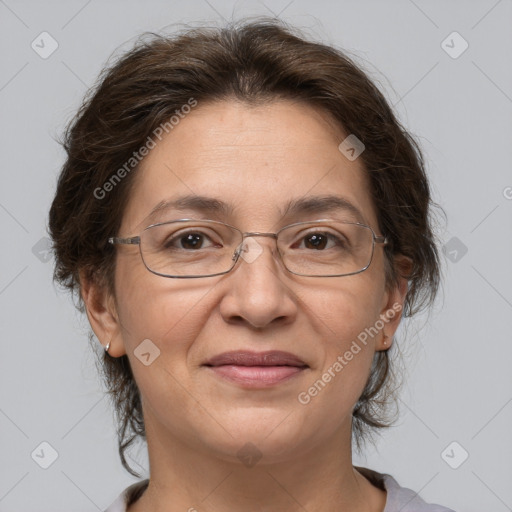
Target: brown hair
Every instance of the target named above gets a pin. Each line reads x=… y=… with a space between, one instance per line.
x=254 y=62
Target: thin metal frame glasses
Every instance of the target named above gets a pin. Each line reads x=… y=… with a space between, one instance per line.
x=333 y=248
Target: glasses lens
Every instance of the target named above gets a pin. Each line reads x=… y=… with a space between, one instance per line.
x=326 y=248
x=189 y=248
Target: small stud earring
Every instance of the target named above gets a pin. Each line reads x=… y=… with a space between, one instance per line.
x=107 y=346
x=384 y=342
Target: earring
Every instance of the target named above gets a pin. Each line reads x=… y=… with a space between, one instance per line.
x=107 y=346
x=384 y=341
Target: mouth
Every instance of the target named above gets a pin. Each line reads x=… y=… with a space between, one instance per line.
x=256 y=369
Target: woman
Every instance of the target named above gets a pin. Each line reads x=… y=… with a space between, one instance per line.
x=245 y=222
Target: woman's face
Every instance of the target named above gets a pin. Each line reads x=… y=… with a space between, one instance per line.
x=255 y=160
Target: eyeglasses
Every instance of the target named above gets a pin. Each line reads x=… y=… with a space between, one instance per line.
x=188 y=248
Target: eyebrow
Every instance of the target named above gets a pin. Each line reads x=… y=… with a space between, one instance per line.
x=216 y=208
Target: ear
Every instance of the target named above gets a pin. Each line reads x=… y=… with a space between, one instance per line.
x=102 y=314
x=393 y=303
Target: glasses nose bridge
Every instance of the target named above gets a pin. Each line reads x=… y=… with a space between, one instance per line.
x=252 y=234
x=259 y=233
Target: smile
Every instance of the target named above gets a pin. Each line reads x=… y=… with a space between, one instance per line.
x=256 y=370
x=257 y=376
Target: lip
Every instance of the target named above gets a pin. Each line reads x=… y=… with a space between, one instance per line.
x=249 y=358
x=256 y=369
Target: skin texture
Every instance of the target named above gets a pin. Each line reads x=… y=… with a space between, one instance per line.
x=255 y=159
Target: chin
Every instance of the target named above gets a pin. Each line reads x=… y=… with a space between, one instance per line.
x=265 y=436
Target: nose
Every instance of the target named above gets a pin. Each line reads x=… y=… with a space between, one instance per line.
x=258 y=288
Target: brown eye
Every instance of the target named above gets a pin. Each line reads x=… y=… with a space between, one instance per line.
x=191 y=241
x=320 y=240
x=317 y=241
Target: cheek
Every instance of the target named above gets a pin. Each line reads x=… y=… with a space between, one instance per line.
x=169 y=312
x=342 y=310
x=344 y=319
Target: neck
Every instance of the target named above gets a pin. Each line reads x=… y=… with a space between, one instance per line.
x=186 y=477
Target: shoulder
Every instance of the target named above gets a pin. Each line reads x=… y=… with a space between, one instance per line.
x=128 y=496
x=399 y=498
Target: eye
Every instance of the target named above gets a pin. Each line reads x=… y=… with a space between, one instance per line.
x=320 y=240
x=189 y=240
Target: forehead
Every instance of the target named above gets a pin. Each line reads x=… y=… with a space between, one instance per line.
x=257 y=163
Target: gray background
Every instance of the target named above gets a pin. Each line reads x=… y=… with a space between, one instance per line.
x=458 y=382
